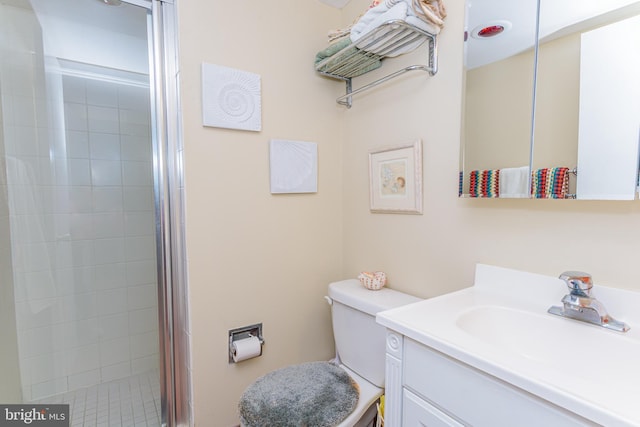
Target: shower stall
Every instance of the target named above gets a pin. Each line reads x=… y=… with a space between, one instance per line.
x=81 y=252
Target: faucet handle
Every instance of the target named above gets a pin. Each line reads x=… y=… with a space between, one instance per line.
x=578 y=282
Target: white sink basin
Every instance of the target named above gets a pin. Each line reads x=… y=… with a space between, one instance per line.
x=558 y=343
x=501 y=326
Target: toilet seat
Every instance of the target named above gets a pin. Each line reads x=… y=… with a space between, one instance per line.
x=312 y=393
x=369 y=394
x=272 y=398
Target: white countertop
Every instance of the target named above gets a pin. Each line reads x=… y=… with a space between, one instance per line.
x=501 y=326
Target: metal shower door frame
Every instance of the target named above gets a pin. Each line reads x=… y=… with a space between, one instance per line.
x=175 y=382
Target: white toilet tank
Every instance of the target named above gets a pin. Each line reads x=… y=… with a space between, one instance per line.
x=360 y=341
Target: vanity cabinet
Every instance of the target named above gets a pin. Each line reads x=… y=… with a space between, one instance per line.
x=417 y=412
x=491 y=355
x=425 y=387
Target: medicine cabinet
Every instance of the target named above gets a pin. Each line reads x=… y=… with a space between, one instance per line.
x=552 y=84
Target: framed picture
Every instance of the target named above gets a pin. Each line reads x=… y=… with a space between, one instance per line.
x=395 y=179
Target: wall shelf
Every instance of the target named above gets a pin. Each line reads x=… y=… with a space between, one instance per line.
x=388 y=40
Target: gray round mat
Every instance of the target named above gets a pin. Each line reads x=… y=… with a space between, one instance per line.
x=315 y=394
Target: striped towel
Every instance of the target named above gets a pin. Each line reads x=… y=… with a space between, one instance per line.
x=484 y=183
x=550 y=183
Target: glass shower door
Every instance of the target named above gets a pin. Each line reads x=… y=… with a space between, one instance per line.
x=78 y=285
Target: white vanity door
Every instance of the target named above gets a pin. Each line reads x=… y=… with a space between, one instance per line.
x=418 y=413
x=475 y=398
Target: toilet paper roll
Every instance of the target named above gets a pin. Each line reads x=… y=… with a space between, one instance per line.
x=245 y=348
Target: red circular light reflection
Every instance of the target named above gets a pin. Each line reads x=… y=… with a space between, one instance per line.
x=490 y=31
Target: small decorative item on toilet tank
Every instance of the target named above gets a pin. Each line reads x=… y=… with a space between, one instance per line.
x=373 y=281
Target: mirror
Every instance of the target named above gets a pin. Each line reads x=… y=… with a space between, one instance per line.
x=529 y=98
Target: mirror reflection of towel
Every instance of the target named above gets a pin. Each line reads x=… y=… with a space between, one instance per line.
x=484 y=183
x=514 y=182
x=550 y=183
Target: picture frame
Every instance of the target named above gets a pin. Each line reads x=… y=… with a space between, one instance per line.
x=395 y=179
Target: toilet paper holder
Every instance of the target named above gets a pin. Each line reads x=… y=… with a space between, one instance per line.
x=242 y=333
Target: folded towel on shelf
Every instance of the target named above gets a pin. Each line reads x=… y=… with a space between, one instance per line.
x=378 y=42
x=550 y=183
x=514 y=182
x=484 y=183
x=332 y=49
x=365 y=62
x=427 y=15
x=432 y=11
x=377 y=16
x=337 y=34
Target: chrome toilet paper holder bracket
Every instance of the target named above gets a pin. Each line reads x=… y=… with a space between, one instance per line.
x=242 y=333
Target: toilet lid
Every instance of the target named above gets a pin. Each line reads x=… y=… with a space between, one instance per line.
x=318 y=394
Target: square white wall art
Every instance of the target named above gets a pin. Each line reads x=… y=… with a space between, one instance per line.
x=293 y=166
x=231 y=98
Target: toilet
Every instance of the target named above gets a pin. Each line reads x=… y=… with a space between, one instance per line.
x=360 y=348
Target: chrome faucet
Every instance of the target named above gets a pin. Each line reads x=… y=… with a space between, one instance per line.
x=579 y=305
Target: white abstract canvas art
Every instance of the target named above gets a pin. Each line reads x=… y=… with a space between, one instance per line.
x=231 y=98
x=294 y=166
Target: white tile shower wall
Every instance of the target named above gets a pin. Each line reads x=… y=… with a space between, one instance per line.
x=10 y=390
x=86 y=274
x=24 y=129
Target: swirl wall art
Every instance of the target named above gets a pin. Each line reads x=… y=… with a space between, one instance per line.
x=231 y=98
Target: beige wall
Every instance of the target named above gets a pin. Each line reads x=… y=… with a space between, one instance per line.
x=436 y=252
x=254 y=257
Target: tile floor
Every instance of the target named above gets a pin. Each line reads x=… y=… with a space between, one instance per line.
x=128 y=402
